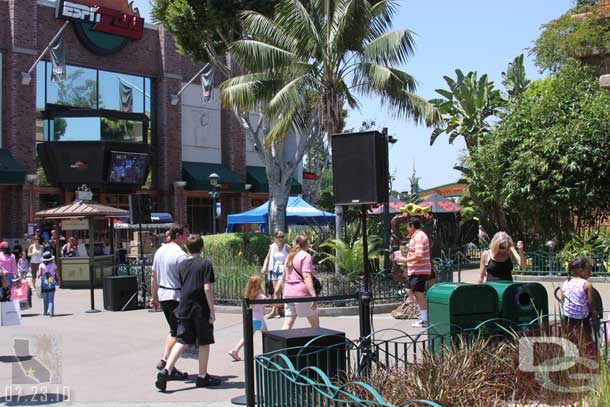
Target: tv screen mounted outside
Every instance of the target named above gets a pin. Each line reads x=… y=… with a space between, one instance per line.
x=127 y=168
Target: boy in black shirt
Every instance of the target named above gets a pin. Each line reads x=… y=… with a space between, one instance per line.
x=195 y=314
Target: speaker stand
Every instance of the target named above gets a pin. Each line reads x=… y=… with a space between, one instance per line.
x=92 y=311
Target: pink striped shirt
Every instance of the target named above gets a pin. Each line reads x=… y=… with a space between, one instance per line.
x=419 y=246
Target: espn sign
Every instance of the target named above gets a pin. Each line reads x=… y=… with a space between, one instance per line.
x=104 y=19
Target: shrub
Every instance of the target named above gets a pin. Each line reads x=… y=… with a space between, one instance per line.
x=252 y=247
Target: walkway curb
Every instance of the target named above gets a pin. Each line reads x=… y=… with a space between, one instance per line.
x=323 y=312
x=556 y=279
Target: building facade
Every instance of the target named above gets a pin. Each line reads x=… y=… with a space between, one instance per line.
x=113 y=123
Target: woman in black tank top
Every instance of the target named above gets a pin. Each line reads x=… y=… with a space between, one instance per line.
x=496 y=263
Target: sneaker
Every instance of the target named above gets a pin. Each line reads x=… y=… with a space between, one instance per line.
x=207 y=381
x=162 y=378
x=178 y=375
x=419 y=324
x=161 y=364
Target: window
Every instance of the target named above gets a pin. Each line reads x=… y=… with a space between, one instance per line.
x=199 y=215
x=92 y=105
x=78 y=90
x=120 y=92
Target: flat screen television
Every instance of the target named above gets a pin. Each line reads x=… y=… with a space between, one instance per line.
x=127 y=168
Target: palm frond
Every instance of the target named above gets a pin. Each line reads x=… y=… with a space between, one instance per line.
x=264 y=29
x=292 y=17
x=395 y=47
x=257 y=55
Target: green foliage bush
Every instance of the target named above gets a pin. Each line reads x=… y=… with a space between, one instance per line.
x=252 y=247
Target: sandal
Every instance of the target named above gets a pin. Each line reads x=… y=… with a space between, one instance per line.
x=235 y=356
x=271 y=316
x=178 y=375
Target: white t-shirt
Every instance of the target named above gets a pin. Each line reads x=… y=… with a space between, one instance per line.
x=165 y=267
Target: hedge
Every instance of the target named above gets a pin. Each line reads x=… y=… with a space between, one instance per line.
x=252 y=246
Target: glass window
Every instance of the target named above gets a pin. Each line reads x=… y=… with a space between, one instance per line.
x=40 y=86
x=121 y=92
x=121 y=130
x=75 y=129
x=148 y=90
x=79 y=89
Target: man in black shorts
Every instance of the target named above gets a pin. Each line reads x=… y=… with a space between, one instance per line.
x=419 y=267
x=195 y=314
x=165 y=287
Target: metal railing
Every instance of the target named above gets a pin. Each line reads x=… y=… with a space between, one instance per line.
x=545 y=263
x=315 y=375
x=229 y=290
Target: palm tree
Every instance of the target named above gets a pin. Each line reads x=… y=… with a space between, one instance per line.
x=335 y=50
x=466 y=108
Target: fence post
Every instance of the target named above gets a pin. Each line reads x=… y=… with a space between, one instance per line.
x=249 y=399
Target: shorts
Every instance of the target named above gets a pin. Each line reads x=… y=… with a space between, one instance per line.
x=275 y=275
x=299 y=309
x=417 y=282
x=257 y=325
x=195 y=331
x=168 y=308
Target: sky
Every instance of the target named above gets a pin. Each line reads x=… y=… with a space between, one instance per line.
x=472 y=35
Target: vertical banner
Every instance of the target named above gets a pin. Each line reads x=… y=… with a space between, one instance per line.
x=58 y=61
x=126 y=97
x=207 y=83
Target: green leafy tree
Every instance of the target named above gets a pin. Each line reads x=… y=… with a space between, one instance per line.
x=340 y=50
x=546 y=162
x=467 y=107
x=203 y=29
x=583 y=31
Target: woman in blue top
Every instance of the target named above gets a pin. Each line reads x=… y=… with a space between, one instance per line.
x=274 y=264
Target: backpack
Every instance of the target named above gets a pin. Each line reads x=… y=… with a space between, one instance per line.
x=48 y=282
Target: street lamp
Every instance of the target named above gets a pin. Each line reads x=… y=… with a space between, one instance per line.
x=213 y=177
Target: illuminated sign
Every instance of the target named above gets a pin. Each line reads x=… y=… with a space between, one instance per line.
x=104 y=26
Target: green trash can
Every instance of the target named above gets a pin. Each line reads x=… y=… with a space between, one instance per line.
x=520 y=303
x=455 y=307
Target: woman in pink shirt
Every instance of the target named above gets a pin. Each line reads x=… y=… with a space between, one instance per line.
x=297 y=281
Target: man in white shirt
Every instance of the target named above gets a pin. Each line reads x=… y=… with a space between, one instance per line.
x=165 y=287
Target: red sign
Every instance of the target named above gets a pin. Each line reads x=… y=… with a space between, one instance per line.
x=310 y=175
x=114 y=17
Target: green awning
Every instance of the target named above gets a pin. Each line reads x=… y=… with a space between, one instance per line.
x=11 y=170
x=257 y=176
x=196 y=177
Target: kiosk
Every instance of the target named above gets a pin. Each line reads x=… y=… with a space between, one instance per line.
x=91 y=264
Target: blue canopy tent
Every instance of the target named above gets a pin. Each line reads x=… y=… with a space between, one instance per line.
x=298 y=212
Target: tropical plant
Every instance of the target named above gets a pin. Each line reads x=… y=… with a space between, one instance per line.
x=515 y=80
x=467 y=107
x=350 y=258
x=333 y=50
x=588 y=244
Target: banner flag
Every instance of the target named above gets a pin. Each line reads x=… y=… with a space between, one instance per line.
x=58 y=61
x=207 y=83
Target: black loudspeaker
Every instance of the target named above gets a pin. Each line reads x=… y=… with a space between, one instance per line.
x=140 y=207
x=119 y=292
x=360 y=168
x=326 y=349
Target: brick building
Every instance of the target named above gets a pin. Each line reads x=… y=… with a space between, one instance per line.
x=84 y=116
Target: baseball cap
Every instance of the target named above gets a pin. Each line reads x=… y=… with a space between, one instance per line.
x=3 y=245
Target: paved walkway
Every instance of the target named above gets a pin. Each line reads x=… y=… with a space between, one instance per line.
x=110 y=357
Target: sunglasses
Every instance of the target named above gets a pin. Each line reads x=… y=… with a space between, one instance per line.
x=279 y=237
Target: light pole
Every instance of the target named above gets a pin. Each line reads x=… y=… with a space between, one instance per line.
x=213 y=177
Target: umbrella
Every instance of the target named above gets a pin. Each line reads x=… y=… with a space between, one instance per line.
x=438 y=204
x=395 y=206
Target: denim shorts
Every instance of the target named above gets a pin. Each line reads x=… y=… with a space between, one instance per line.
x=257 y=325
x=275 y=276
